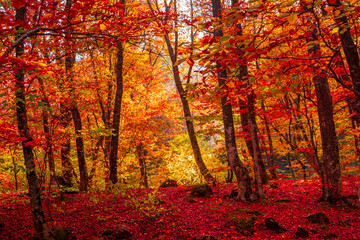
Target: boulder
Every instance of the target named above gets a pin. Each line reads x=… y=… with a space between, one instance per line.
x=245 y=225
x=122 y=232
x=169 y=183
x=319 y=217
x=205 y=238
x=302 y=232
x=273 y=225
x=201 y=190
x=60 y=233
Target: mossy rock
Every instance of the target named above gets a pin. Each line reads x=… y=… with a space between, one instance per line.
x=302 y=233
x=122 y=232
x=331 y=236
x=2 y=224
x=205 y=238
x=169 y=183
x=319 y=218
x=60 y=233
x=245 y=225
x=273 y=225
x=201 y=190
x=190 y=199
x=283 y=200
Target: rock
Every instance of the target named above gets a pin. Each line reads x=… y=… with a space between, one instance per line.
x=283 y=200
x=2 y=224
x=169 y=183
x=273 y=225
x=319 y=217
x=302 y=232
x=60 y=233
x=201 y=190
x=331 y=235
x=190 y=199
x=233 y=194
x=245 y=225
x=106 y=232
x=122 y=232
x=205 y=238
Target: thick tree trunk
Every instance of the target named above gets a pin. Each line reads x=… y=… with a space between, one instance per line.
x=114 y=143
x=241 y=173
x=351 y=53
x=40 y=224
x=332 y=173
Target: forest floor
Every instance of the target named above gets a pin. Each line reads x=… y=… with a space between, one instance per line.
x=170 y=213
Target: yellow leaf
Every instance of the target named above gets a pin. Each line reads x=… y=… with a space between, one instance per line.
x=292 y=18
x=102 y=27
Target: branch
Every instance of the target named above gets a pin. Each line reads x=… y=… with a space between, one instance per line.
x=17 y=42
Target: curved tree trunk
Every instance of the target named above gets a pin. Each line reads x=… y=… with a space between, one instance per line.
x=40 y=224
x=185 y=104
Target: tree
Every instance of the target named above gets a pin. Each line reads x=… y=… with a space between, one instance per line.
x=41 y=226
x=241 y=173
x=173 y=53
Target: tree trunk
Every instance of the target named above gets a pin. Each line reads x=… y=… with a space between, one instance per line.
x=332 y=172
x=351 y=53
x=142 y=153
x=40 y=224
x=84 y=181
x=114 y=144
x=186 y=107
x=271 y=159
x=241 y=173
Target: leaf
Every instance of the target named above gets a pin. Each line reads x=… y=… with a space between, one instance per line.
x=332 y=1
x=179 y=61
x=190 y=62
x=292 y=18
x=224 y=38
x=102 y=27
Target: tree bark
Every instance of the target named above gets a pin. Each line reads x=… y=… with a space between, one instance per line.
x=84 y=179
x=74 y=111
x=271 y=159
x=241 y=173
x=332 y=173
x=141 y=154
x=185 y=105
x=40 y=224
x=114 y=143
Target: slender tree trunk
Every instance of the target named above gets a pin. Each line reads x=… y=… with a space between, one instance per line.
x=241 y=173
x=69 y=64
x=142 y=153
x=248 y=119
x=40 y=224
x=271 y=147
x=185 y=105
x=114 y=143
x=84 y=181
